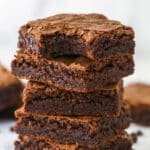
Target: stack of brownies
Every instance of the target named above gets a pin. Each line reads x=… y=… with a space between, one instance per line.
x=73 y=100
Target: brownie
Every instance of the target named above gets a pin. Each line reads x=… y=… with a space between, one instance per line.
x=10 y=89
x=64 y=130
x=117 y=142
x=8 y=113
x=73 y=73
x=44 y=99
x=138 y=97
x=91 y=35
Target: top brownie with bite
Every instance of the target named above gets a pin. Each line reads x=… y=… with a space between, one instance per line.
x=91 y=35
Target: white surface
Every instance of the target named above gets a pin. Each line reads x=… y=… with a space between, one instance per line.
x=7 y=137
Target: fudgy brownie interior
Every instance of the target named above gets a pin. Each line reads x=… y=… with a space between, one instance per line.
x=10 y=89
x=73 y=74
x=45 y=99
x=117 y=142
x=82 y=130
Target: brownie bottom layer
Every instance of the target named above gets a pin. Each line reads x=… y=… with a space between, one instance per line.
x=81 y=130
x=118 y=142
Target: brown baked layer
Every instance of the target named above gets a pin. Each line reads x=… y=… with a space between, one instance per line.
x=90 y=35
x=10 y=89
x=141 y=115
x=122 y=141
x=44 y=99
x=73 y=73
x=138 y=97
x=81 y=130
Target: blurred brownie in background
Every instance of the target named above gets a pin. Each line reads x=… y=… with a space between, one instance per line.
x=10 y=92
x=138 y=96
x=8 y=113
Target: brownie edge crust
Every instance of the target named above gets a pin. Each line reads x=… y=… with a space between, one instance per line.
x=82 y=130
x=73 y=74
x=44 y=99
x=95 y=37
x=117 y=142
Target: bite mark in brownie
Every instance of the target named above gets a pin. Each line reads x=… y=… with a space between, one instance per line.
x=10 y=89
x=44 y=99
x=72 y=130
x=73 y=73
x=138 y=97
x=91 y=35
x=117 y=142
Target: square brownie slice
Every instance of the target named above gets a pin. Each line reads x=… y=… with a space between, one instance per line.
x=117 y=142
x=73 y=73
x=10 y=89
x=44 y=99
x=71 y=130
x=138 y=97
x=91 y=35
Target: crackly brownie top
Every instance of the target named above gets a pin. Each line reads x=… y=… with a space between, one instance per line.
x=88 y=26
x=137 y=94
x=6 y=78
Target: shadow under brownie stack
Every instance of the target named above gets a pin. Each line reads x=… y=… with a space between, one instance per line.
x=73 y=100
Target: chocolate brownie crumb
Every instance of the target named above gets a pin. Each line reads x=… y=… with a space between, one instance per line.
x=135 y=135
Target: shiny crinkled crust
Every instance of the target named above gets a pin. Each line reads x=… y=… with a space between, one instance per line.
x=73 y=74
x=90 y=35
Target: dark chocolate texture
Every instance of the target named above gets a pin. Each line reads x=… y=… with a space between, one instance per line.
x=44 y=99
x=122 y=141
x=90 y=35
x=73 y=73
x=64 y=130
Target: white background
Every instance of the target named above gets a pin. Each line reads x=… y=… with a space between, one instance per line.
x=135 y=13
